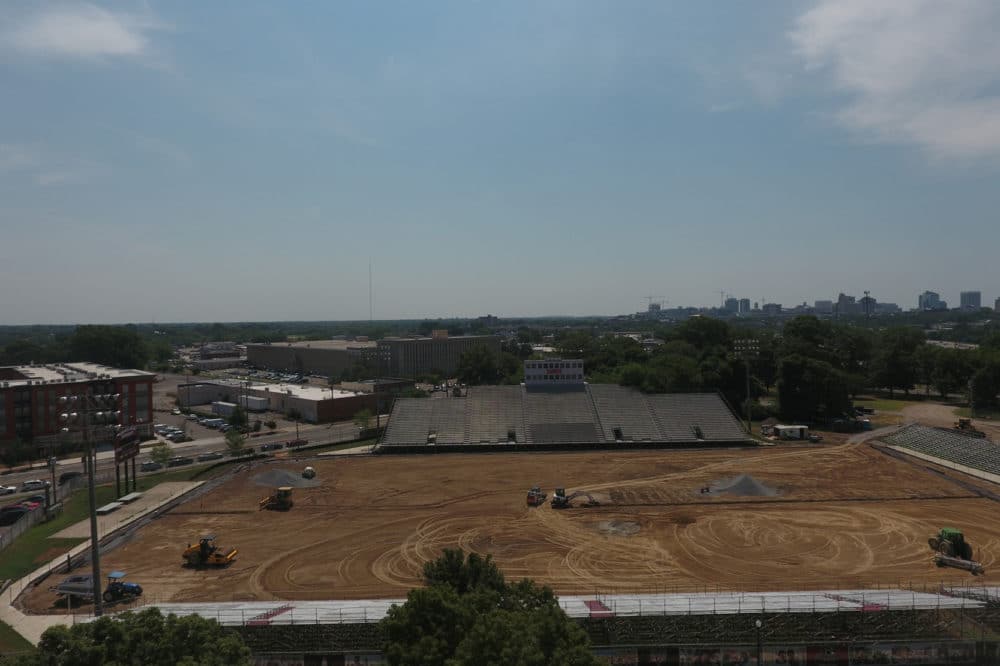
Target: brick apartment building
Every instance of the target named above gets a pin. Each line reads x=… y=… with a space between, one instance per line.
x=29 y=396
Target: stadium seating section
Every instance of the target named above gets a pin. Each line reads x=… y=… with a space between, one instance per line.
x=589 y=414
x=951 y=445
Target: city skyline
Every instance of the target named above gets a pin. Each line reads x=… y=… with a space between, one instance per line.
x=197 y=162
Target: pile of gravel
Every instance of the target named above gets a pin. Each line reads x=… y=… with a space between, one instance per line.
x=743 y=485
x=275 y=478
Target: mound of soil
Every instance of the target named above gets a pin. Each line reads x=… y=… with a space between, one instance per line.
x=275 y=478
x=618 y=527
x=743 y=485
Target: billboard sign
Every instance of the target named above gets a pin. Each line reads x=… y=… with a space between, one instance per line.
x=126 y=445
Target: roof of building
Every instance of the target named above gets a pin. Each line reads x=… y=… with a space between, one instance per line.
x=424 y=338
x=305 y=392
x=62 y=373
x=320 y=344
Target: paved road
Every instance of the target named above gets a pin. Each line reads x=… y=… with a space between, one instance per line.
x=329 y=432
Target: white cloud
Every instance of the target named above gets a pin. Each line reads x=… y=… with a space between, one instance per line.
x=81 y=30
x=920 y=72
x=43 y=167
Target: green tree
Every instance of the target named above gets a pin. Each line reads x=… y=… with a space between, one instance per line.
x=469 y=614
x=363 y=419
x=118 y=346
x=895 y=364
x=235 y=442
x=160 y=453
x=478 y=365
x=809 y=390
x=238 y=419
x=145 y=637
x=951 y=371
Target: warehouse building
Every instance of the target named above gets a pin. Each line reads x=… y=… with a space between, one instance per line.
x=438 y=354
x=329 y=358
x=29 y=396
x=313 y=403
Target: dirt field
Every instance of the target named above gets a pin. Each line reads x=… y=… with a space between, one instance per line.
x=842 y=516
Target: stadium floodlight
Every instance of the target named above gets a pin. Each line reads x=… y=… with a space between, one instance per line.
x=93 y=410
x=747 y=348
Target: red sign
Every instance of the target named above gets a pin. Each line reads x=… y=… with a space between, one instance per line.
x=553 y=371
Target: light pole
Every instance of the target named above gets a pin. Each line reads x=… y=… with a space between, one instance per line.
x=80 y=411
x=747 y=347
x=760 y=644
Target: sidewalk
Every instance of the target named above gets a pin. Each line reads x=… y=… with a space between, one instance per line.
x=32 y=626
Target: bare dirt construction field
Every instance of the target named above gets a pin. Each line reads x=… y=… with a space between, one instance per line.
x=793 y=518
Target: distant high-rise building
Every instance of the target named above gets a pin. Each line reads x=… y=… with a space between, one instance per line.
x=996 y=304
x=930 y=300
x=732 y=305
x=772 y=308
x=868 y=305
x=971 y=300
x=744 y=306
x=823 y=307
x=847 y=305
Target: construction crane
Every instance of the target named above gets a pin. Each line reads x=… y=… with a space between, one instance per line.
x=560 y=500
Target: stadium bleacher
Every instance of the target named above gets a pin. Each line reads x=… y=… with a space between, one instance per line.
x=595 y=414
x=493 y=412
x=950 y=445
x=560 y=415
x=625 y=409
x=686 y=417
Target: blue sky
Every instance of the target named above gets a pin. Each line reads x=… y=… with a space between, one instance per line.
x=191 y=161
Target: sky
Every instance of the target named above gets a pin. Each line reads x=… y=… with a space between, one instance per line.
x=246 y=161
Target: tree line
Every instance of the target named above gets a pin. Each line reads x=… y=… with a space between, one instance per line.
x=815 y=367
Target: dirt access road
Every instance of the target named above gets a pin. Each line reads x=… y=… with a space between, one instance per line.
x=842 y=516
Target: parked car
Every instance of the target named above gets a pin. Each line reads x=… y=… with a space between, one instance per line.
x=212 y=455
x=297 y=442
x=150 y=466
x=34 y=498
x=68 y=476
x=175 y=411
x=30 y=506
x=272 y=446
x=8 y=490
x=12 y=516
x=34 y=484
x=177 y=462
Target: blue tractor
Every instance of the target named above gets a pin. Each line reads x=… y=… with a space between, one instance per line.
x=118 y=589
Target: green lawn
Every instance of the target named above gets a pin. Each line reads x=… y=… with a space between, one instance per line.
x=984 y=414
x=11 y=641
x=885 y=405
x=35 y=547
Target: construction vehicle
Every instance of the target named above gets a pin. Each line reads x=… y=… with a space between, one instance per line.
x=118 y=589
x=536 y=497
x=560 y=500
x=281 y=500
x=952 y=550
x=206 y=554
x=965 y=427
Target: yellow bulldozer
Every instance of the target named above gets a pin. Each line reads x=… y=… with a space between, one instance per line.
x=206 y=554
x=281 y=500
